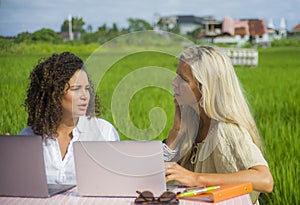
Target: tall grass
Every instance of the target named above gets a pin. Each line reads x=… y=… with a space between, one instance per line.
x=145 y=99
x=14 y=72
x=272 y=90
x=274 y=94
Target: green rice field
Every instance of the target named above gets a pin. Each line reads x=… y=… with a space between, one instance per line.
x=272 y=89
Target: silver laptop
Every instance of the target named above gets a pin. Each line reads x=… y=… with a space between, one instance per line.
x=119 y=168
x=22 y=170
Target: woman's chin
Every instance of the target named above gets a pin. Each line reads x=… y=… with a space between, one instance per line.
x=79 y=114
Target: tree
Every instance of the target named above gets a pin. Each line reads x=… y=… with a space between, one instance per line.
x=23 y=37
x=42 y=35
x=89 y=28
x=46 y=35
x=102 y=29
x=113 y=32
x=138 y=25
x=114 y=28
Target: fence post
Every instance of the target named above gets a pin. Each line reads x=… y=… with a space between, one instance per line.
x=242 y=57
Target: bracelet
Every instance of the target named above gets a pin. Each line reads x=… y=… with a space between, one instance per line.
x=168 y=153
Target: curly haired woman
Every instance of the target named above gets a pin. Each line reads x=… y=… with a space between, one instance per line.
x=62 y=107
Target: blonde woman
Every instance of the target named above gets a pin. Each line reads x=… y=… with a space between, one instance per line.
x=214 y=139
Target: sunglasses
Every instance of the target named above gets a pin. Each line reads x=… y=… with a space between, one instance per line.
x=147 y=197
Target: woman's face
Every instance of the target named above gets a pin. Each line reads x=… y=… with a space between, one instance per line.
x=186 y=90
x=76 y=99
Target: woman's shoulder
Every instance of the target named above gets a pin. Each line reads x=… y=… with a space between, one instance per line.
x=27 y=131
x=95 y=121
x=232 y=133
x=231 y=128
x=97 y=126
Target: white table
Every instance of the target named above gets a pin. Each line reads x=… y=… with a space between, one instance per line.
x=72 y=197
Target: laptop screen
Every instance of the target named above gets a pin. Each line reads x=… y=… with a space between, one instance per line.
x=22 y=171
x=119 y=168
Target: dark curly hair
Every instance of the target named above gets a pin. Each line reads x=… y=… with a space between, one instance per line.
x=48 y=81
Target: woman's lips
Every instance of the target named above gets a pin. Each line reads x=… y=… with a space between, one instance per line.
x=82 y=107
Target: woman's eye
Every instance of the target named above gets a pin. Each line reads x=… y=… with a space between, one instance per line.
x=182 y=78
x=74 y=88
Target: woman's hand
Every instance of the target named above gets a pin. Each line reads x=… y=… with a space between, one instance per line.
x=176 y=126
x=185 y=177
x=259 y=176
x=177 y=116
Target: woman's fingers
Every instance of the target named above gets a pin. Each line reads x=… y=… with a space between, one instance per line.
x=182 y=175
x=170 y=170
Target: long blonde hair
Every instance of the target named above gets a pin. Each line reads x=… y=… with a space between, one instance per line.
x=222 y=95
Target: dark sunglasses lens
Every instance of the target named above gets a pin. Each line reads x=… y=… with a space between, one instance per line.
x=139 y=200
x=167 y=196
x=147 y=195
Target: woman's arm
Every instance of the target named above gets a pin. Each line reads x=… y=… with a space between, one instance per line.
x=171 y=140
x=259 y=176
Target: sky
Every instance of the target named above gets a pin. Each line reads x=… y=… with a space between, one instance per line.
x=18 y=16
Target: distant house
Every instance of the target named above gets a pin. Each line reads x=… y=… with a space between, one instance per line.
x=229 y=30
x=296 y=31
x=189 y=23
x=244 y=27
x=212 y=27
x=243 y=30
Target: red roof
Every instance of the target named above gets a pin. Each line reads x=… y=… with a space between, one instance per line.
x=297 y=28
x=252 y=27
x=240 y=31
x=257 y=27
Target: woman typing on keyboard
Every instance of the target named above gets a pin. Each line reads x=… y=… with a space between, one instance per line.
x=214 y=139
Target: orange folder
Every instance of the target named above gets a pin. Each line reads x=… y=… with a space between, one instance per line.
x=222 y=193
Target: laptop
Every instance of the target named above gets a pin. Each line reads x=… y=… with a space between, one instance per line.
x=119 y=168
x=22 y=170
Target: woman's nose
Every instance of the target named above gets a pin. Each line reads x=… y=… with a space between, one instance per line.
x=175 y=82
x=84 y=94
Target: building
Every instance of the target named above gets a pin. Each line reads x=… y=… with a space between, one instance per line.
x=229 y=30
x=188 y=23
x=212 y=27
x=207 y=25
x=296 y=31
x=283 y=29
x=244 y=27
x=273 y=33
x=241 y=31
